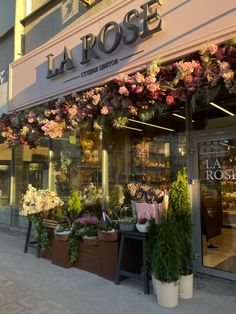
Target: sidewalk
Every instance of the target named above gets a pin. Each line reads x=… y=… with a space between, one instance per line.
x=34 y=286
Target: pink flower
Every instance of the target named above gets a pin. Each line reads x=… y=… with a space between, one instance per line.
x=133 y=88
x=139 y=77
x=169 y=100
x=139 y=89
x=133 y=110
x=73 y=111
x=122 y=78
x=32 y=117
x=188 y=79
x=106 y=109
x=152 y=88
x=53 y=129
x=150 y=79
x=198 y=71
x=212 y=49
x=96 y=99
x=123 y=91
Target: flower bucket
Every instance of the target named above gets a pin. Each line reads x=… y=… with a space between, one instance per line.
x=150 y=210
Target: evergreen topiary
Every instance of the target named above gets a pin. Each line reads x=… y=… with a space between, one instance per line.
x=165 y=262
x=179 y=208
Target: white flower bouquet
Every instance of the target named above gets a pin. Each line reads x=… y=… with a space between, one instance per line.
x=39 y=202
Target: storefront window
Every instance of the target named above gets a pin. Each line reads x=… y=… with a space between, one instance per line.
x=30 y=167
x=149 y=153
x=5 y=174
x=76 y=162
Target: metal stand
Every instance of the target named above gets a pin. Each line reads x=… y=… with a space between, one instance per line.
x=31 y=243
x=122 y=271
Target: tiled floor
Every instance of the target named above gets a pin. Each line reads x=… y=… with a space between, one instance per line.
x=226 y=247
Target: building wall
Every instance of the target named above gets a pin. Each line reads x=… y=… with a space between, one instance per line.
x=54 y=19
x=7 y=16
x=6 y=50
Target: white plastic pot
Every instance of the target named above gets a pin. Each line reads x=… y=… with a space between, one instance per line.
x=167 y=293
x=154 y=285
x=186 y=287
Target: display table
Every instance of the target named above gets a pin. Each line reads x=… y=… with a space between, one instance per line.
x=124 y=270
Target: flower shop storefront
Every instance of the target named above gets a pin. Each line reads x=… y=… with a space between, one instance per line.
x=96 y=110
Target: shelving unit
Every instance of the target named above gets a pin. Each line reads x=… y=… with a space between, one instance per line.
x=151 y=162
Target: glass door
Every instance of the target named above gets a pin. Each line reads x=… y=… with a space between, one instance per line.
x=216 y=209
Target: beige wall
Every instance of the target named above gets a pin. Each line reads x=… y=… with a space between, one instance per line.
x=58 y=18
x=183 y=32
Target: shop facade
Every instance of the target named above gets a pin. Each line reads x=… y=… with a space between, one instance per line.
x=125 y=38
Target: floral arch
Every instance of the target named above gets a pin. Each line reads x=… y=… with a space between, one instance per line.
x=196 y=78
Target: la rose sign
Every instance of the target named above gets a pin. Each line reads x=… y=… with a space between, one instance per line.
x=93 y=46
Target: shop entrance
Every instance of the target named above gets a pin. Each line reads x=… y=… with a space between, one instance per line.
x=214 y=204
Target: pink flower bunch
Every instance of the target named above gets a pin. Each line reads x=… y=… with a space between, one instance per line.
x=53 y=129
x=86 y=219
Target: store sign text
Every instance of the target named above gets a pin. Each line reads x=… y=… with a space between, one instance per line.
x=215 y=172
x=93 y=46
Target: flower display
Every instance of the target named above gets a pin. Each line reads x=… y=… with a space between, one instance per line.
x=141 y=95
x=91 y=195
x=144 y=193
x=39 y=202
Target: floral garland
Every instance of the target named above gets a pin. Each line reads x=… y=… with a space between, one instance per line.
x=142 y=95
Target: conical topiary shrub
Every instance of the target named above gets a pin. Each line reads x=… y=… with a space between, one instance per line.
x=179 y=209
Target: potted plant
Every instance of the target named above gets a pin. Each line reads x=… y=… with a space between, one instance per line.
x=147 y=199
x=179 y=206
x=107 y=231
x=125 y=218
x=151 y=241
x=43 y=208
x=165 y=262
x=143 y=222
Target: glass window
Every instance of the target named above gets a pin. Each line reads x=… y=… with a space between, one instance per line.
x=219 y=113
x=76 y=162
x=149 y=153
x=30 y=167
x=217 y=165
x=5 y=176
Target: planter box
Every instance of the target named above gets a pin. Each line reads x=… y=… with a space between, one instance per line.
x=47 y=254
x=87 y=257
x=61 y=253
x=107 y=258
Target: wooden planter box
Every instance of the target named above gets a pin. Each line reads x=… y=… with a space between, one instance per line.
x=107 y=258
x=61 y=253
x=87 y=257
x=48 y=252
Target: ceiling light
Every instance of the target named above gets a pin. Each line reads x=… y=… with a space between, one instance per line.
x=219 y=107
x=152 y=125
x=179 y=116
x=129 y=127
